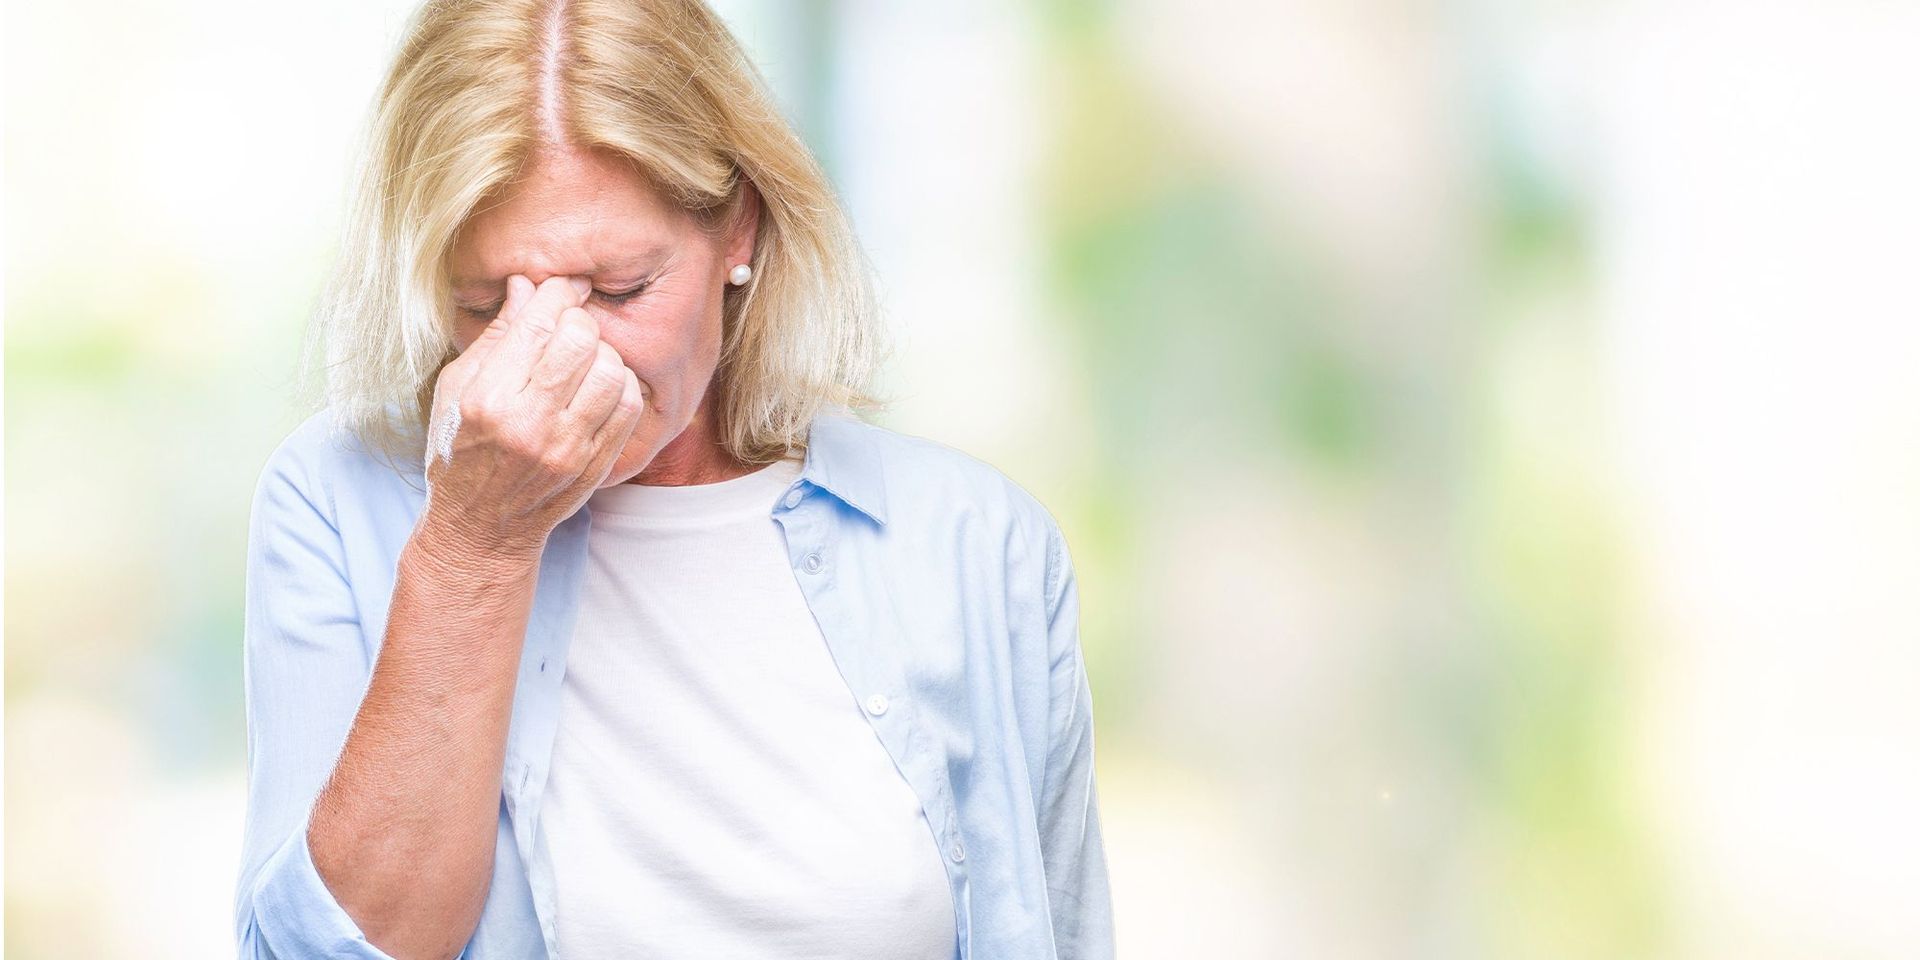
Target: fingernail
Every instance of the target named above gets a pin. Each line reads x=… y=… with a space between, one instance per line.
x=580 y=285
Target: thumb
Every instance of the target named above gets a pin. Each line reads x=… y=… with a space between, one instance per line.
x=519 y=291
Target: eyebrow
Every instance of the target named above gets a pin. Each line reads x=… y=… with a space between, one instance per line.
x=651 y=253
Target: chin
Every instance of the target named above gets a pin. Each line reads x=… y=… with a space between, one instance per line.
x=628 y=464
x=621 y=474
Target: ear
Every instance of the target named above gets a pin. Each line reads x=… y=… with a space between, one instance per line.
x=746 y=226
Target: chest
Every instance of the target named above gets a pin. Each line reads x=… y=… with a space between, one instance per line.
x=920 y=640
x=715 y=788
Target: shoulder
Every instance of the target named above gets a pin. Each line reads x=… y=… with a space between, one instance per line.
x=931 y=481
x=320 y=457
x=307 y=447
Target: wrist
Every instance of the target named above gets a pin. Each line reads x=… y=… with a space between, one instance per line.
x=447 y=543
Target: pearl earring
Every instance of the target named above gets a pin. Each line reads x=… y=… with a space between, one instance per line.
x=740 y=274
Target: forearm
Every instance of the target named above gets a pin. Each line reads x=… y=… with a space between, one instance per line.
x=403 y=832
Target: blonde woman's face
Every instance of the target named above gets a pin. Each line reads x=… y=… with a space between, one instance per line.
x=657 y=288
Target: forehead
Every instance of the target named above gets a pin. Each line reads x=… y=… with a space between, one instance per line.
x=574 y=213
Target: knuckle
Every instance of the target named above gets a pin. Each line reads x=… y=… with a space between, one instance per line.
x=474 y=408
x=582 y=318
x=605 y=375
x=520 y=446
x=558 y=458
x=536 y=317
x=570 y=339
x=577 y=332
x=608 y=366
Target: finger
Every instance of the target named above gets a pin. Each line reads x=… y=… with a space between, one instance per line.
x=569 y=354
x=613 y=435
x=626 y=412
x=599 y=390
x=511 y=360
x=519 y=290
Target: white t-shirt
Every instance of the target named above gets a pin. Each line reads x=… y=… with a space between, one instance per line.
x=715 y=789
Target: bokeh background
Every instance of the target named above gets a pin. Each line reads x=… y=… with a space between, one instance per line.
x=1485 y=431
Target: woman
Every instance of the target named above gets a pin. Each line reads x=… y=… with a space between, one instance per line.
x=587 y=620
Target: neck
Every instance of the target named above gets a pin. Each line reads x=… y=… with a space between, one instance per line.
x=694 y=457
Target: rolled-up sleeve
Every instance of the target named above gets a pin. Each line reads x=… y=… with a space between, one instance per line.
x=1072 y=852
x=305 y=670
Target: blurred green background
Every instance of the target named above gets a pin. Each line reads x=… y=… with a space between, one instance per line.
x=1485 y=432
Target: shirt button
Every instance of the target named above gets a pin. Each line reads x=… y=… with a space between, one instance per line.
x=812 y=563
x=877 y=704
x=957 y=852
x=793 y=499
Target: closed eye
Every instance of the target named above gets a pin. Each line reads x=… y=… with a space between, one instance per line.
x=619 y=299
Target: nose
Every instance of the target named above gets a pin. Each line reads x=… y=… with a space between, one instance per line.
x=539 y=277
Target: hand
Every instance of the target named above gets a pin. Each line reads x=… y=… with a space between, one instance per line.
x=527 y=422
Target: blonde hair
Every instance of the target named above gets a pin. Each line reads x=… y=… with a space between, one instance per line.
x=477 y=90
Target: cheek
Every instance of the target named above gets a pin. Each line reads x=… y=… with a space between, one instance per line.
x=666 y=332
x=670 y=363
x=466 y=330
x=636 y=337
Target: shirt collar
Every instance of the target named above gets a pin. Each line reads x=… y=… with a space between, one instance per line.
x=843 y=460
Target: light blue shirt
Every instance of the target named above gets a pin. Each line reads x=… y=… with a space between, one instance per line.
x=939 y=584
